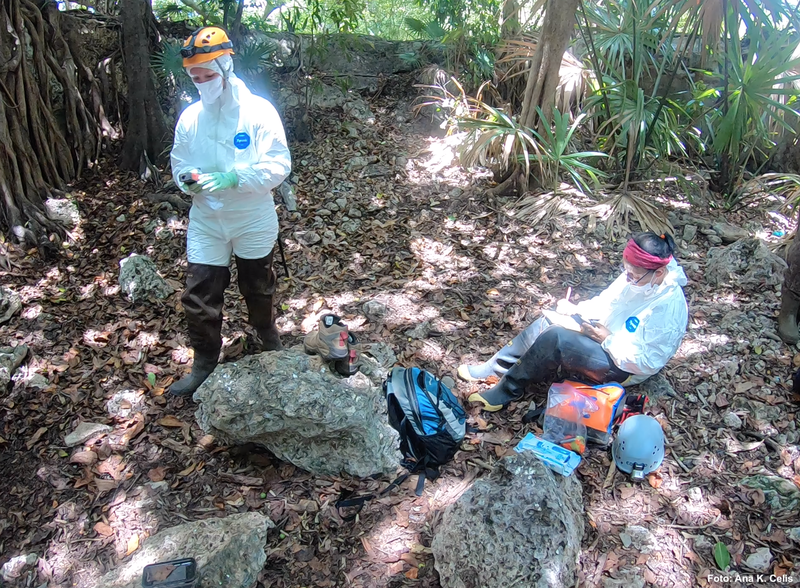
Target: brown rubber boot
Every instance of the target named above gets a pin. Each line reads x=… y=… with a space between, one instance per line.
x=257 y=284
x=201 y=369
x=202 y=302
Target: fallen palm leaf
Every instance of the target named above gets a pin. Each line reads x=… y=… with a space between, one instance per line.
x=535 y=209
x=617 y=213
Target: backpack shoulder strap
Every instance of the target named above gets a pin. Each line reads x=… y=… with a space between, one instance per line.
x=358 y=503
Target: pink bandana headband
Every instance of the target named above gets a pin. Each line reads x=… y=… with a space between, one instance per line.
x=637 y=256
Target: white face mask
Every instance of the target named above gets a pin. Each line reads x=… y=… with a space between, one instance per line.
x=644 y=288
x=211 y=90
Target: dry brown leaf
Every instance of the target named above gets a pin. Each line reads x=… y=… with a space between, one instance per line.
x=170 y=421
x=412 y=573
x=103 y=529
x=84 y=457
x=104 y=485
x=187 y=471
x=36 y=436
x=655 y=479
x=304 y=506
x=113 y=466
x=157 y=474
x=626 y=492
x=649 y=576
x=133 y=544
x=396 y=568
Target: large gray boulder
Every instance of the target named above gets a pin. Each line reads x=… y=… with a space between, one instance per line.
x=139 y=279
x=748 y=262
x=63 y=211
x=293 y=404
x=229 y=552
x=520 y=526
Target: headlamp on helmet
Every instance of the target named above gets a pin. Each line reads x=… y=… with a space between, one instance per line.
x=204 y=45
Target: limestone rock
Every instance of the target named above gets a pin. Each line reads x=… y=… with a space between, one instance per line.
x=374 y=310
x=421 y=331
x=63 y=211
x=139 y=279
x=748 y=262
x=229 y=552
x=10 y=359
x=286 y=192
x=304 y=413
x=10 y=303
x=732 y=420
x=14 y=567
x=729 y=233
x=125 y=403
x=307 y=237
x=641 y=538
x=84 y=432
x=759 y=560
x=520 y=526
x=359 y=110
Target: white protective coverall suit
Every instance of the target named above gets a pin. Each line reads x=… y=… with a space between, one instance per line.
x=229 y=130
x=646 y=324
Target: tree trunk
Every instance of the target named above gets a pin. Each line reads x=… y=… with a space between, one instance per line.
x=146 y=132
x=510 y=27
x=39 y=153
x=543 y=77
x=785 y=157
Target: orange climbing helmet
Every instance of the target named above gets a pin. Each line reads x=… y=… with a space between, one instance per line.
x=204 y=45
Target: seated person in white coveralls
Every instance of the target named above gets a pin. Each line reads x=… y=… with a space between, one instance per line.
x=229 y=153
x=634 y=328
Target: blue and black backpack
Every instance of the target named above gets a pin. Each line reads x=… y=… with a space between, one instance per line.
x=431 y=424
x=428 y=417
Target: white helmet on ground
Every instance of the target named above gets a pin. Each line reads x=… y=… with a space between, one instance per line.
x=638 y=448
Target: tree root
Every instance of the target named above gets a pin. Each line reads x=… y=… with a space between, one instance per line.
x=37 y=152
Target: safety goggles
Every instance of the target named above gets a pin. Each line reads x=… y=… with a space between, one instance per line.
x=191 y=51
x=632 y=279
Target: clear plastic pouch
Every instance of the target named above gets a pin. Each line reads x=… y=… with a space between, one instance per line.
x=564 y=417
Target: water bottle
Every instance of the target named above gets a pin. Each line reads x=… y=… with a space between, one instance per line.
x=560 y=460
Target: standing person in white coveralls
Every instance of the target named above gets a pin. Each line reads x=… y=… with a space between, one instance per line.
x=628 y=332
x=229 y=153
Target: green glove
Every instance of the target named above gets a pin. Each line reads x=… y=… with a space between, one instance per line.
x=218 y=181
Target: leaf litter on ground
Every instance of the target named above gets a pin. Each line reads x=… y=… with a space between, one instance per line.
x=425 y=241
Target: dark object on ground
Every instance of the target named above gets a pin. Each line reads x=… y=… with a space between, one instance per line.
x=178 y=573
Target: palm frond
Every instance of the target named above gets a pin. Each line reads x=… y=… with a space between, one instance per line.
x=623 y=207
x=536 y=209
